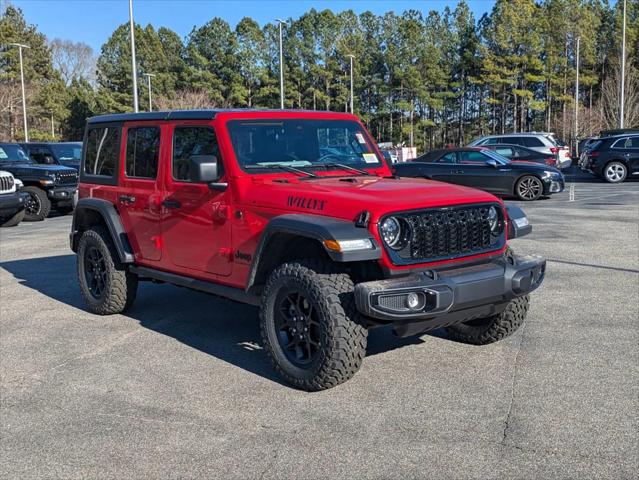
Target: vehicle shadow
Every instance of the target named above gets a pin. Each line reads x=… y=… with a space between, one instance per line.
x=224 y=329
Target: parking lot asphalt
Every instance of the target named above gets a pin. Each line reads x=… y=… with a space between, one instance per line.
x=180 y=387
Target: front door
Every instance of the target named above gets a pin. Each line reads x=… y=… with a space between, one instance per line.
x=196 y=227
x=477 y=174
x=139 y=193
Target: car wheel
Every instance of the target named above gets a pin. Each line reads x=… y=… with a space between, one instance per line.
x=37 y=206
x=105 y=283
x=310 y=326
x=615 y=172
x=483 y=331
x=529 y=188
x=13 y=221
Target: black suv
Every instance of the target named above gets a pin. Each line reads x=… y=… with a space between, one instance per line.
x=612 y=158
x=47 y=185
x=55 y=153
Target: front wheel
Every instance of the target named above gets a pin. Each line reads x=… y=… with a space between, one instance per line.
x=37 y=206
x=529 y=188
x=310 y=326
x=615 y=172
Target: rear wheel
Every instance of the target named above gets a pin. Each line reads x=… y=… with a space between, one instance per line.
x=615 y=172
x=529 y=188
x=105 y=283
x=37 y=206
x=12 y=221
x=310 y=326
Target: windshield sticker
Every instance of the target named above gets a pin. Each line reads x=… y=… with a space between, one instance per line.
x=360 y=138
x=3 y=155
x=307 y=203
x=370 y=157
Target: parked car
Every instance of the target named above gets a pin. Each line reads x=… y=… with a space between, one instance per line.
x=482 y=168
x=244 y=204
x=58 y=153
x=12 y=201
x=618 y=131
x=543 y=142
x=518 y=153
x=612 y=159
x=48 y=186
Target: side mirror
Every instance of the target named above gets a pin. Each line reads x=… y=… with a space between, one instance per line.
x=491 y=163
x=205 y=169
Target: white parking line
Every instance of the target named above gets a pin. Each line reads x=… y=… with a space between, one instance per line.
x=604 y=196
x=572 y=193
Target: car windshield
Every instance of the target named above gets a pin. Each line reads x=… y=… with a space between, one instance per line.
x=13 y=154
x=67 y=152
x=495 y=156
x=302 y=144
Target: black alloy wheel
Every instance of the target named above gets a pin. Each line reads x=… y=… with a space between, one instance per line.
x=298 y=330
x=529 y=188
x=32 y=205
x=95 y=272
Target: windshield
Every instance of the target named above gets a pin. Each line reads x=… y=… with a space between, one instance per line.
x=67 y=152
x=13 y=154
x=301 y=144
x=495 y=156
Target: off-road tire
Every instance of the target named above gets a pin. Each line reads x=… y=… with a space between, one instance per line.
x=12 y=221
x=120 y=284
x=492 y=329
x=40 y=196
x=343 y=336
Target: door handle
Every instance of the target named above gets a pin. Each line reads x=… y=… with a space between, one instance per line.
x=456 y=171
x=171 y=204
x=126 y=198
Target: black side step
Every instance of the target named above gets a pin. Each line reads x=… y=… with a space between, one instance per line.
x=231 y=293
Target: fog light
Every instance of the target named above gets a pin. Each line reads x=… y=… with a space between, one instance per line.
x=414 y=301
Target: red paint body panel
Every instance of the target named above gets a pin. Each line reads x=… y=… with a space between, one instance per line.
x=210 y=236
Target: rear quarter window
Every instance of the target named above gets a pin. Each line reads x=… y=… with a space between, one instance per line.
x=101 y=154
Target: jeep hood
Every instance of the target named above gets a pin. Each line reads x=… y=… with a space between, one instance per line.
x=34 y=168
x=346 y=197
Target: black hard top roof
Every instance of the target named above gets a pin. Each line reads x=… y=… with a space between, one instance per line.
x=207 y=114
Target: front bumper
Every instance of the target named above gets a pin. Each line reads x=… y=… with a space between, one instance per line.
x=12 y=203
x=449 y=296
x=553 y=185
x=62 y=194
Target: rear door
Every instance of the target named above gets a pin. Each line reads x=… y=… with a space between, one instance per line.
x=195 y=221
x=140 y=193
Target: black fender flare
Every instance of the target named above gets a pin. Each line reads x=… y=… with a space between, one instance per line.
x=111 y=219
x=315 y=228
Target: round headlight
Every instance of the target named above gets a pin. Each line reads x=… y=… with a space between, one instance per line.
x=493 y=220
x=391 y=231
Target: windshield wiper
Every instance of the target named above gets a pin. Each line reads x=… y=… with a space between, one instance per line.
x=346 y=167
x=286 y=168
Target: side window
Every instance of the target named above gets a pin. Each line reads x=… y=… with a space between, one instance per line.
x=189 y=141
x=473 y=157
x=490 y=141
x=506 y=151
x=142 y=152
x=632 y=142
x=532 y=142
x=448 y=158
x=102 y=150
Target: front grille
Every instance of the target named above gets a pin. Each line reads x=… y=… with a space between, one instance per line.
x=66 y=178
x=449 y=232
x=6 y=183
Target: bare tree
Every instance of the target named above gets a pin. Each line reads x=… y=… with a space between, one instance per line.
x=73 y=60
x=611 y=93
x=184 y=100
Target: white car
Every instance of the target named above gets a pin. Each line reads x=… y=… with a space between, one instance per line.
x=541 y=142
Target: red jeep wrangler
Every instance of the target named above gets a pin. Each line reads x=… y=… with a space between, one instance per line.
x=296 y=212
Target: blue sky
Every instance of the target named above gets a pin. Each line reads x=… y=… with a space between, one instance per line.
x=92 y=21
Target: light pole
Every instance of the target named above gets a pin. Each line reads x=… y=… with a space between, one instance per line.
x=280 y=23
x=351 y=58
x=577 y=101
x=623 y=66
x=148 y=81
x=24 y=100
x=133 y=62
